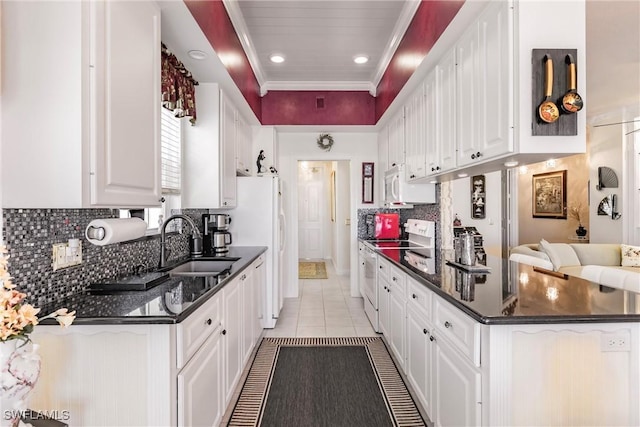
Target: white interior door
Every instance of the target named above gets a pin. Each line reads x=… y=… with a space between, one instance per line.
x=311 y=211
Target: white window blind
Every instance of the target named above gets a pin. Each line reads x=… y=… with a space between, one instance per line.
x=170 y=143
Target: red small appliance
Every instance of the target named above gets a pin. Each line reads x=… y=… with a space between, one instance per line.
x=387 y=226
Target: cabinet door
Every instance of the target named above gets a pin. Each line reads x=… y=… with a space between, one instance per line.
x=485 y=87
x=125 y=104
x=243 y=154
x=467 y=95
x=248 y=311
x=419 y=358
x=446 y=87
x=396 y=140
x=397 y=324
x=430 y=117
x=457 y=388
x=228 y=153
x=232 y=337
x=383 y=305
x=414 y=136
x=200 y=393
x=259 y=286
x=495 y=82
x=383 y=153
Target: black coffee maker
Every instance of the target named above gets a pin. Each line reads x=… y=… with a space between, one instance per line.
x=216 y=234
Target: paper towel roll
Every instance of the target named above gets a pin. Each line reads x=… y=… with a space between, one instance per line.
x=113 y=230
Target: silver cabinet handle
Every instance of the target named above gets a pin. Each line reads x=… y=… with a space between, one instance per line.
x=448 y=325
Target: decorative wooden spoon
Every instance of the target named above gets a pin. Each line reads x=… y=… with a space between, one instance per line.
x=548 y=110
x=571 y=102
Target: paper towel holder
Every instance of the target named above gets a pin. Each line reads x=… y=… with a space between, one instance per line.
x=96 y=233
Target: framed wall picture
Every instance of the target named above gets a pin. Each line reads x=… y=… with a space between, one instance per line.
x=549 y=194
x=478 y=197
x=367 y=182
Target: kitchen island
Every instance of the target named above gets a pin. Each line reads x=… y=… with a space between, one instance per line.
x=515 y=346
x=171 y=355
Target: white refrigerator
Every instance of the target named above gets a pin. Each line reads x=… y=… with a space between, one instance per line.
x=258 y=220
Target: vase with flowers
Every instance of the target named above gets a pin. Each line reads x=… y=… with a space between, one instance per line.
x=19 y=359
x=576 y=212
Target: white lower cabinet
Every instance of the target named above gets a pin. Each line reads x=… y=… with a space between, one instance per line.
x=392 y=308
x=419 y=359
x=232 y=336
x=456 y=388
x=383 y=305
x=200 y=386
x=397 y=323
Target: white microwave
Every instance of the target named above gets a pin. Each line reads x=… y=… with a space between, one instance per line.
x=398 y=193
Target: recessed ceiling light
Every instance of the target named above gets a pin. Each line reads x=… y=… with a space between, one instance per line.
x=511 y=164
x=361 y=59
x=277 y=58
x=197 y=54
x=463 y=175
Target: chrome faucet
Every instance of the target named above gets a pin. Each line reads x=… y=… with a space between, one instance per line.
x=196 y=237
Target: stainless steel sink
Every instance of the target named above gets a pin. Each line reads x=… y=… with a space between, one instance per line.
x=202 y=268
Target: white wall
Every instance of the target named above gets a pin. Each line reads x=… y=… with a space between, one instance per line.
x=605 y=145
x=357 y=147
x=490 y=226
x=342 y=225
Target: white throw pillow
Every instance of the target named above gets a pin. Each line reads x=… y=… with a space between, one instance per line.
x=630 y=255
x=560 y=254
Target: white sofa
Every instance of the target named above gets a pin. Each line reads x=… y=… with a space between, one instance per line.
x=596 y=262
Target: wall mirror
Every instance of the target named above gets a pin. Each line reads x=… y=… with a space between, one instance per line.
x=367 y=182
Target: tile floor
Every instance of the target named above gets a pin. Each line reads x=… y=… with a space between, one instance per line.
x=325 y=309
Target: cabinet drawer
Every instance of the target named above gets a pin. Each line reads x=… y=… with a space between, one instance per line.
x=457 y=328
x=419 y=297
x=195 y=329
x=397 y=281
x=384 y=268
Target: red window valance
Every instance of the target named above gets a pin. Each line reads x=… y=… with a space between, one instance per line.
x=178 y=87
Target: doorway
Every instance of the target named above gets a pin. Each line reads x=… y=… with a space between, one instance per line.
x=324 y=206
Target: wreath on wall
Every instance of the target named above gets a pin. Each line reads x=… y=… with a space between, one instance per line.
x=325 y=141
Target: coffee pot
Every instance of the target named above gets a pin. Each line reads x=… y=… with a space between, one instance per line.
x=216 y=234
x=220 y=240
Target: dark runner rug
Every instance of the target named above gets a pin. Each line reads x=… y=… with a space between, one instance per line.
x=324 y=382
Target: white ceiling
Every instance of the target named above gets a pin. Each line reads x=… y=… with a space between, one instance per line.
x=320 y=38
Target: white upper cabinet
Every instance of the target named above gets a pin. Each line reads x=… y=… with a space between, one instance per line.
x=396 y=140
x=243 y=151
x=431 y=117
x=209 y=152
x=415 y=136
x=125 y=103
x=80 y=109
x=484 y=87
x=446 y=118
x=228 y=144
x=383 y=151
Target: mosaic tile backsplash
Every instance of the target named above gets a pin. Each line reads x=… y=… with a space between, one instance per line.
x=29 y=236
x=427 y=212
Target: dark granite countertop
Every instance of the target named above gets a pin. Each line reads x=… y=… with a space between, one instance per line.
x=514 y=293
x=169 y=302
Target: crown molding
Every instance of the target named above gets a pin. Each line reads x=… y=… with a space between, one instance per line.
x=233 y=10
x=406 y=15
x=318 y=85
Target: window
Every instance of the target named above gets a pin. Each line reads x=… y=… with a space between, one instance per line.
x=170 y=148
x=171 y=157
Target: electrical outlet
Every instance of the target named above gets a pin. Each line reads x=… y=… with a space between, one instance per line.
x=59 y=256
x=615 y=341
x=65 y=255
